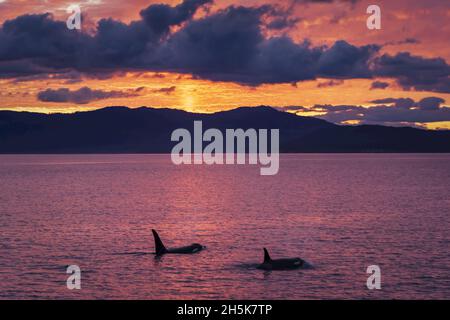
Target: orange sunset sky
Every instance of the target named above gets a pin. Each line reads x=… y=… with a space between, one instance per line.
x=420 y=28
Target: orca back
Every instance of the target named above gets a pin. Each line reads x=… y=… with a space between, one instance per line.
x=280 y=264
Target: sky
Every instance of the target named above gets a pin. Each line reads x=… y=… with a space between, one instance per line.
x=309 y=57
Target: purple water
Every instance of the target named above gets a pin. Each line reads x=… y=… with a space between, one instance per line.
x=339 y=212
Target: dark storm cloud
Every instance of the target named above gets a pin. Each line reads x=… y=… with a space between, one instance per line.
x=40 y=39
x=389 y=111
x=168 y=90
x=330 y=83
x=69 y=77
x=228 y=45
x=430 y=103
x=402 y=103
x=415 y=72
x=17 y=69
x=283 y=22
x=401 y=42
x=323 y=1
x=386 y=115
x=344 y=60
x=160 y=17
x=293 y=108
x=379 y=85
x=81 y=96
x=294 y=3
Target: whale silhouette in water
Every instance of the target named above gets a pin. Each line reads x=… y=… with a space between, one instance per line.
x=161 y=249
x=280 y=264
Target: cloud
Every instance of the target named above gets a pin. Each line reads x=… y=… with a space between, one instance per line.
x=415 y=72
x=17 y=69
x=30 y=38
x=293 y=108
x=401 y=103
x=379 y=85
x=168 y=90
x=228 y=45
x=283 y=22
x=386 y=115
x=81 y=96
x=401 y=42
x=430 y=103
x=160 y=17
x=389 y=111
x=322 y=1
x=344 y=60
x=330 y=83
x=294 y=3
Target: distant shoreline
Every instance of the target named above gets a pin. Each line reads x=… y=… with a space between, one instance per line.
x=121 y=130
x=168 y=154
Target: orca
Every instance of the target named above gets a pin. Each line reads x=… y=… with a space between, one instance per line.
x=161 y=249
x=280 y=264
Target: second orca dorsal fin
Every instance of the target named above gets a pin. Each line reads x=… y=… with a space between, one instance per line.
x=159 y=246
x=266 y=256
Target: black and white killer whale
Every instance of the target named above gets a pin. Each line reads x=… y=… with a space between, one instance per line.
x=280 y=264
x=268 y=264
x=161 y=249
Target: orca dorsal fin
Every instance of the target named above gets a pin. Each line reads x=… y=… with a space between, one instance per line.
x=159 y=246
x=266 y=256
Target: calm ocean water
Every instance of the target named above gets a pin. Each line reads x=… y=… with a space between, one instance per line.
x=339 y=212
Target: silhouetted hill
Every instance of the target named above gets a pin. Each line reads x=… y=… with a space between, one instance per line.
x=148 y=130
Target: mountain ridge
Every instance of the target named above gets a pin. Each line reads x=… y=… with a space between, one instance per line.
x=119 y=129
